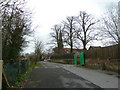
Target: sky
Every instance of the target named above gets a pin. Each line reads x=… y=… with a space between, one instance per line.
x=46 y=13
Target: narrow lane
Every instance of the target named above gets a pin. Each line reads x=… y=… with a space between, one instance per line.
x=51 y=75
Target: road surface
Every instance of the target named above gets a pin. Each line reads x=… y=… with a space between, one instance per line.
x=52 y=75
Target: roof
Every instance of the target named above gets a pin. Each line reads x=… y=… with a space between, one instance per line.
x=94 y=47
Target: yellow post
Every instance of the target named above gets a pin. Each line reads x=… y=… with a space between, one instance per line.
x=1 y=64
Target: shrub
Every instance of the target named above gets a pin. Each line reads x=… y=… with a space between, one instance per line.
x=65 y=56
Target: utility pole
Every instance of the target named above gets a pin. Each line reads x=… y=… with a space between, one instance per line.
x=119 y=34
x=119 y=20
x=0 y=38
x=1 y=63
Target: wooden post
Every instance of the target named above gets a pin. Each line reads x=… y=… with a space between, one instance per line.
x=1 y=63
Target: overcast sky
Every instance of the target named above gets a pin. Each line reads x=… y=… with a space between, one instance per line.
x=47 y=13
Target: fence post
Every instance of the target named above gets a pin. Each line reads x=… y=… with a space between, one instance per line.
x=1 y=62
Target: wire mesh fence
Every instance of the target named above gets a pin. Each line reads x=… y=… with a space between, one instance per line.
x=14 y=70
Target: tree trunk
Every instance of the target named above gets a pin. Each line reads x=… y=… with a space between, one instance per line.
x=84 y=45
x=71 y=50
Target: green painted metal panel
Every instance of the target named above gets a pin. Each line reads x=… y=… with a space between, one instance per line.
x=82 y=60
x=75 y=59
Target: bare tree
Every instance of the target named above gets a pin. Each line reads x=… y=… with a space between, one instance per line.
x=110 y=26
x=69 y=31
x=85 y=28
x=57 y=36
x=38 y=49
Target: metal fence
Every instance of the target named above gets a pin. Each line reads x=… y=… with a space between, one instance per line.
x=14 y=70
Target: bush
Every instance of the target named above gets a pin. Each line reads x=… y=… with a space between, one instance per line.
x=65 y=56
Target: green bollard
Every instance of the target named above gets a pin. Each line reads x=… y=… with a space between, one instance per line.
x=82 y=60
x=75 y=59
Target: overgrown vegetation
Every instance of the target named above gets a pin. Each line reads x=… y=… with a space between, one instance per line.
x=16 y=26
x=64 y=56
x=23 y=78
x=63 y=61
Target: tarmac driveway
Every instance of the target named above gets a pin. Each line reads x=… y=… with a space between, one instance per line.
x=52 y=75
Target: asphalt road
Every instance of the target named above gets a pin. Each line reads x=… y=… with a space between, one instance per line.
x=52 y=75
